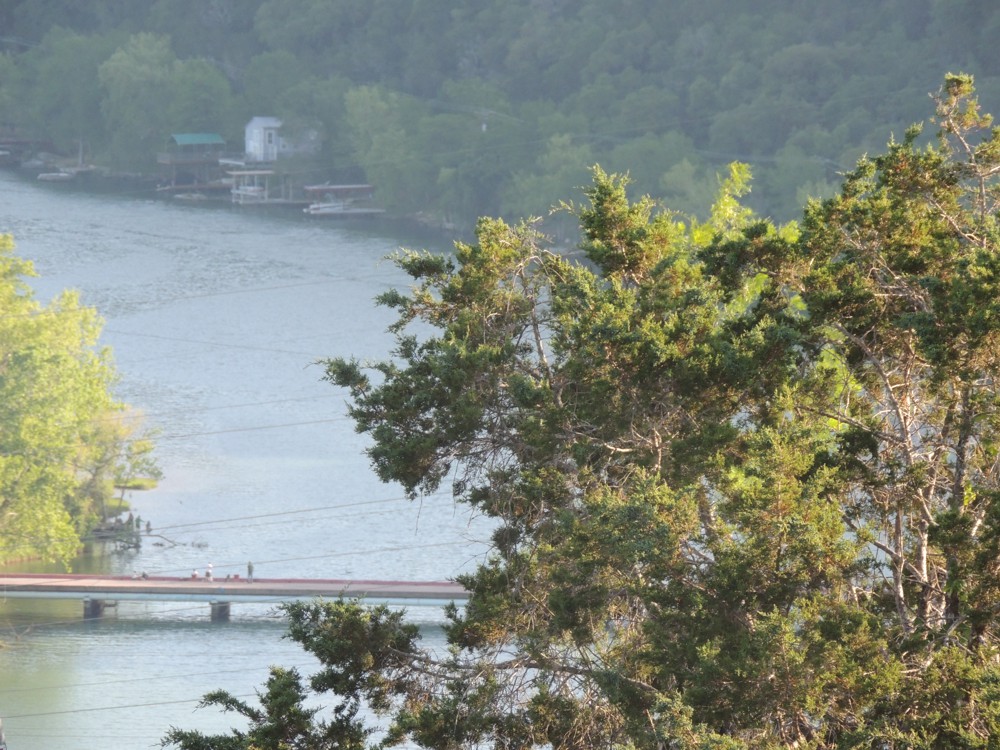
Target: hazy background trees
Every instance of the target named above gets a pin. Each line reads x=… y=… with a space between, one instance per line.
x=491 y=108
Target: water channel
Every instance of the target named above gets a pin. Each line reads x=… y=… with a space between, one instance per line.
x=216 y=317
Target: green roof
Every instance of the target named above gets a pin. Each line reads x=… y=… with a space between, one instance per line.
x=198 y=139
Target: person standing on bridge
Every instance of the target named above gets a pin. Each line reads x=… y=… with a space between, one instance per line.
x=249 y=572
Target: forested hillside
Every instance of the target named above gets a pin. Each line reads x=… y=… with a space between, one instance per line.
x=461 y=108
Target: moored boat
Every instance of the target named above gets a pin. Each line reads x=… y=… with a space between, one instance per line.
x=341 y=200
x=340 y=208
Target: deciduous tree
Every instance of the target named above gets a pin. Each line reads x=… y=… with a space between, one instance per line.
x=135 y=109
x=64 y=438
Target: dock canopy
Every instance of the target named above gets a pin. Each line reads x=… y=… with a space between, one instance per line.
x=197 y=139
x=192 y=159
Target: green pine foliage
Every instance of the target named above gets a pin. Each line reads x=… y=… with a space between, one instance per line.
x=744 y=477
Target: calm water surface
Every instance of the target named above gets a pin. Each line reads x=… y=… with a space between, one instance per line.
x=216 y=318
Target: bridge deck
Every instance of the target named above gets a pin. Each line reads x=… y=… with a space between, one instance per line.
x=161 y=588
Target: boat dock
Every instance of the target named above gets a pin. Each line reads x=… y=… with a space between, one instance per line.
x=96 y=591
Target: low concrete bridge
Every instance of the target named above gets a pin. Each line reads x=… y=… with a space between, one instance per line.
x=96 y=591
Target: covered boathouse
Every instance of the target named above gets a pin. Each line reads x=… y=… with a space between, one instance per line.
x=192 y=160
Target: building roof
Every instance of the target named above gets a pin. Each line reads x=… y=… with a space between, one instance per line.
x=198 y=139
x=264 y=122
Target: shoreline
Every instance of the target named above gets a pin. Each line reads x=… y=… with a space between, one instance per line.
x=94 y=180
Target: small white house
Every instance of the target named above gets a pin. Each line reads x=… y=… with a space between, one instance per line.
x=264 y=142
x=263 y=139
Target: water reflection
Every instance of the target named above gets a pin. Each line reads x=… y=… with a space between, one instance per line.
x=216 y=319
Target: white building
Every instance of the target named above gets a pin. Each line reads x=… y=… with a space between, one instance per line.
x=263 y=139
x=264 y=142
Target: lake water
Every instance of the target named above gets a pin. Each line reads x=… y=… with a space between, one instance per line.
x=216 y=317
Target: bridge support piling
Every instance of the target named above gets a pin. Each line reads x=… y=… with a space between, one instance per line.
x=93 y=608
x=220 y=611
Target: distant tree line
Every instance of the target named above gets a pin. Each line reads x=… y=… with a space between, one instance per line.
x=461 y=108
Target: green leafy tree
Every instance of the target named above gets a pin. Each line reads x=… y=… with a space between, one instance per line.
x=268 y=76
x=687 y=187
x=64 y=439
x=743 y=477
x=135 y=81
x=648 y=158
x=10 y=99
x=381 y=125
x=60 y=91
x=200 y=100
x=318 y=106
x=562 y=166
x=149 y=93
x=473 y=144
x=223 y=29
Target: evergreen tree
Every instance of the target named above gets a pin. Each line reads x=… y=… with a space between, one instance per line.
x=743 y=476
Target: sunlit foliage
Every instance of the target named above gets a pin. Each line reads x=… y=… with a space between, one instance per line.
x=65 y=441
